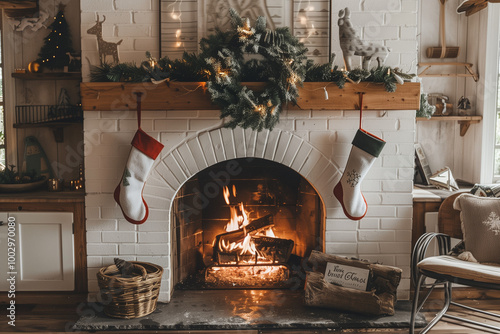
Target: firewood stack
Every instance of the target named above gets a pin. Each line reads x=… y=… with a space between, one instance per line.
x=378 y=299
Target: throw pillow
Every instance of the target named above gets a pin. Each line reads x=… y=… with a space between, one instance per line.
x=480 y=218
x=486 y=190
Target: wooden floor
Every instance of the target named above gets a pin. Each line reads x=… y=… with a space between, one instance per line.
x=55 y=313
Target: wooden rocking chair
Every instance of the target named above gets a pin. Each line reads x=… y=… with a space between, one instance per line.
x=446 y=269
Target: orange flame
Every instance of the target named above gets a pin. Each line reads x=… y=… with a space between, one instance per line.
x=239 y=219
x=270 y=233
x=225 y=192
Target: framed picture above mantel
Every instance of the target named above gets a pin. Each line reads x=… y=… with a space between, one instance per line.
x=184 y=23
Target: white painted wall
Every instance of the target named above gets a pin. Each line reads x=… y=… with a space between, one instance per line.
x=487 y=90
x=441 y=141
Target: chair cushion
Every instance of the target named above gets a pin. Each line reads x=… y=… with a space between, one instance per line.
x=451 y=265
x=480 y=218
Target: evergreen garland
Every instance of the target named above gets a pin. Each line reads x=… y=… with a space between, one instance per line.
x=191 y=68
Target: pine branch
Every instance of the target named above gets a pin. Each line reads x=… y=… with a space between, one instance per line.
x=426 y=110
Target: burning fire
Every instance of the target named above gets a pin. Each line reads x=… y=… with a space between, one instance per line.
x=248 y=254
x=239 y=219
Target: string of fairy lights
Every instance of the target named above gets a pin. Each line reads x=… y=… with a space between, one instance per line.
x=49 y=39
x=174 y=10
x=304 y=20
x=57 y=46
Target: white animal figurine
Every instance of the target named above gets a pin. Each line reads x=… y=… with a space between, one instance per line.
x=34 y=24
x=352 y=45
x=105 y=48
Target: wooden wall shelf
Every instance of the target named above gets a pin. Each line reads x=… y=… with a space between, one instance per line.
x=464 y=121
x=110 y=96
x=19 y=4
x=468 y=67
x=48 y=76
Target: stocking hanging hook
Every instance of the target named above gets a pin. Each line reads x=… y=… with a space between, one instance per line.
x=361 y=94
x=139 y=108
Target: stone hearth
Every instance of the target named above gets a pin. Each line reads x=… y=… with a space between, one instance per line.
x=245 y=310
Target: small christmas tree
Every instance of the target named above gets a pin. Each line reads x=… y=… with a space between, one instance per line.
x=53 y=53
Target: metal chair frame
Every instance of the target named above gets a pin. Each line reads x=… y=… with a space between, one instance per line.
x=418 y=277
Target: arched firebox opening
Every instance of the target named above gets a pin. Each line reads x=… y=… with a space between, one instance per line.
x=244 y=223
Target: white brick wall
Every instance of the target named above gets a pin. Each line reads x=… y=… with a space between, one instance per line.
x=392 y=23
x=136 y=22
x=318 y=146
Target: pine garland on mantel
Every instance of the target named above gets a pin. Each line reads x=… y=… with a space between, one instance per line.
x=281 y=63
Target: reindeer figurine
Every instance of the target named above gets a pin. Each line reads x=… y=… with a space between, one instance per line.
x=105 y=48
x=352 y=45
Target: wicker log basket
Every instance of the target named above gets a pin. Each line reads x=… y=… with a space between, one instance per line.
x=129 y=289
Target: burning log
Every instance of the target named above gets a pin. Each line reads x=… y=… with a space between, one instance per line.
x=254 y=226
x=268 y=250
x=239 y=235
x=259 y=248
x=276 y=249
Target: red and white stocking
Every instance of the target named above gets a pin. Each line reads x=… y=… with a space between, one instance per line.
x=128 y=194
x=366 y=148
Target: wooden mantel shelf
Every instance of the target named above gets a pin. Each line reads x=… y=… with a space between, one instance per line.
x=110 y=96
x=19 y=4
x=464 y=121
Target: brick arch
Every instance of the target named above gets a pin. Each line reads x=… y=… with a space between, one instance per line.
x=209 y=147
x=213 y=146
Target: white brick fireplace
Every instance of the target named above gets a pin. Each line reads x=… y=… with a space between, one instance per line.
x=315 y=143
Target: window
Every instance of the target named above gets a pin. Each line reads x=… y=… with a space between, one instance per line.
x=2 y=118
x=496 y=175
x=490 y=151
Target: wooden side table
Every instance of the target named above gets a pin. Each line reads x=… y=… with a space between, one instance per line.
x=428 y=200
x=423 y=201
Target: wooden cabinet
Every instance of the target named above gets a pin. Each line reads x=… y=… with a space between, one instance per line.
x=44 y=254
x=50 y=241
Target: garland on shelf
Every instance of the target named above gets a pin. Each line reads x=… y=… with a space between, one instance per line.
x=190 y=68
x=330 y=73
x=426 y=110
x=281 y=63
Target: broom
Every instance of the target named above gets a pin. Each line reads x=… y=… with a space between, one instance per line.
x=442 y=51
